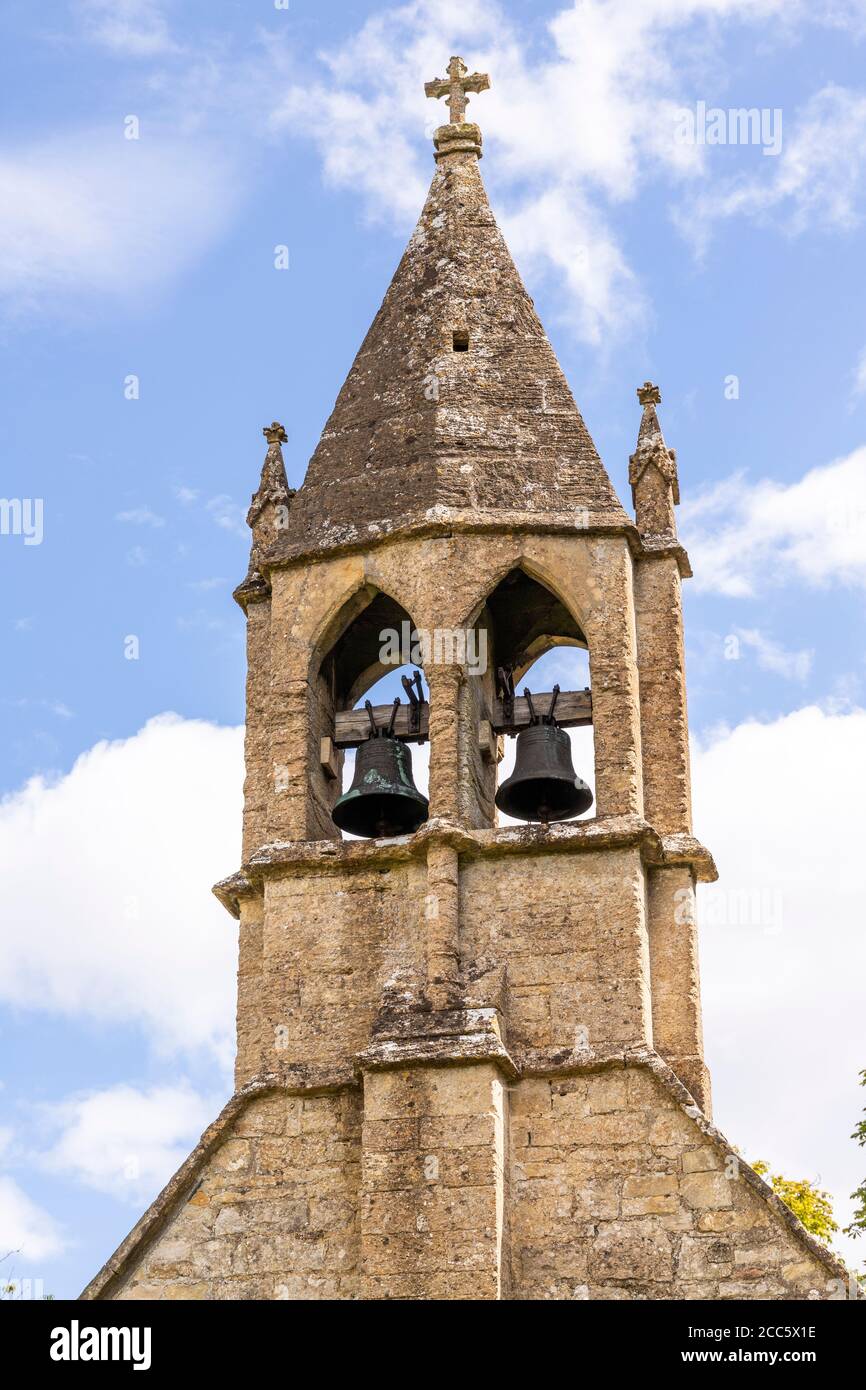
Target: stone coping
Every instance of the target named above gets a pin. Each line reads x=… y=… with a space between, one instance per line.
x=306 y=1080
x=440 y=520
x=568 y=837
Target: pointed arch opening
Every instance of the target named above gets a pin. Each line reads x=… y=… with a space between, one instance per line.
x=382 y=694
x=567 y=666
x=533 y=640
x=527 y=620
x=360 y=658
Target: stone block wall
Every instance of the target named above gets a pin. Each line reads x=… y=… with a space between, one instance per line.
x=619 y=1193
x=443 y=1181
x=340 y=932
x=571 y=935
x=272 y=1214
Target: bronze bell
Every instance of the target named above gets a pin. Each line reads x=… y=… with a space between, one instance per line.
x=544 y=785
x=383 y=800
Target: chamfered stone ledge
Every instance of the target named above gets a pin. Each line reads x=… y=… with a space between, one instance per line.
x=345 y=537
x=665 y=544
x=406 y=1033
x=570 y=837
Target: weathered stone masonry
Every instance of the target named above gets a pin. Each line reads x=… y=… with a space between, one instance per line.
x=470 y=1061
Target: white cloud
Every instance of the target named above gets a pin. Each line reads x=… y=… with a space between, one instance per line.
x=742 y=536
x=205 y=586
x=124 y=1141
x=818 y=180
x=132 y=28
x=141 y=516
x=95 y=213
x=55 y=707
x=559 y=233
x=579 y=120
x=783 y=951
x=27 y=1232
x=772 y=656
x=375 y=98
x=577 y=125
x=124 y=929
x=228 y=515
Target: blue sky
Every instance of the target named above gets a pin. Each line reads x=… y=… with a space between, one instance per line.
x=153 y=257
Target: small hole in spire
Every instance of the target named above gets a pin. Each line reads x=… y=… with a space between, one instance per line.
x=461 y=340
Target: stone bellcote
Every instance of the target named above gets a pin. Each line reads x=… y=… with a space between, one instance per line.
x=469 y=1058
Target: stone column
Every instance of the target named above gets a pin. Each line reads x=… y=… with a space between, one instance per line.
x=664 y=713
x=288 y=817
x=250 y=1059
x=289 y=802
x=442 y=922
x=444 y=683
x=614 y=679
x=256 y=750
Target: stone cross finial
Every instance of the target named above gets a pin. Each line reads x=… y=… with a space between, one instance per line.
x=275 y=434
x=648 y=394
x=455 y=86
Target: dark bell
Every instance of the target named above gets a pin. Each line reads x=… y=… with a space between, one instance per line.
x=544 y=785
x=383 y=800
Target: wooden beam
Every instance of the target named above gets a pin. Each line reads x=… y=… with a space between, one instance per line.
x=328 y=759
x=352 y=726
x=489 y=742
x=573 y=710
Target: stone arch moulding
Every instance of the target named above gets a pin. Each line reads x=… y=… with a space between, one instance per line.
x=545 y=575
x=350 y=639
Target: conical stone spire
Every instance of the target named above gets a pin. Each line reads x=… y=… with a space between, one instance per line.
x=455 y=403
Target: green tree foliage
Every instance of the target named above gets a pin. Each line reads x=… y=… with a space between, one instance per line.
x=858 y=1225
x=808 y=1202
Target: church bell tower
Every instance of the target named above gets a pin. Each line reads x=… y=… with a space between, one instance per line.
x=469 y=1062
